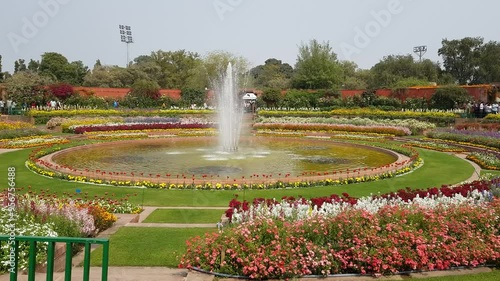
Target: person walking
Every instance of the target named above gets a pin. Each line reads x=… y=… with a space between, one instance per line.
x=2 y=104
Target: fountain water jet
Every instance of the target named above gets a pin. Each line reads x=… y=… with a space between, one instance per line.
x=229 y=110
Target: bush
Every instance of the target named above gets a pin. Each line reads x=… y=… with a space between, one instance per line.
x=191 y=96
x=144 y=94
x=61 y=91
x=271 y=97
x=450 y=97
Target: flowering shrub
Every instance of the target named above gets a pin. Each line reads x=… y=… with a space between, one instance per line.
x=32 y=141
x=493 y=117
x=25 y=226
x=478 y=126
x=486 y=160
x=422 y=235
x=388 y=130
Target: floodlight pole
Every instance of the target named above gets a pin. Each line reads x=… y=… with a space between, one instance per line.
x=420 y=51
x=126 y=37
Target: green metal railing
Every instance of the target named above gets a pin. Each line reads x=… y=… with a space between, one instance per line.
x=69 y=241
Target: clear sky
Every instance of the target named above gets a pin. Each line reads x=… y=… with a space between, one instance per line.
x=363 y=31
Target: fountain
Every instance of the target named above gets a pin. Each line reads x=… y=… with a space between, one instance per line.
x=201 y=160
x=229 y=110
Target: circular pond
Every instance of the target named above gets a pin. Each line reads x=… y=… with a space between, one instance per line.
x=197 y=157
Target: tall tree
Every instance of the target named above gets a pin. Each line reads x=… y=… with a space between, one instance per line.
x=489 y=63
x=19 y=65
x=58 y=67
x=177 y=67
x=216 y=62
x=33 y=65
x=389 y=71
x=317 y=67
x=461 y=58
x=272 y=74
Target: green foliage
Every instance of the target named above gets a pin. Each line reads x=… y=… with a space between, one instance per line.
x=192 y=96
x=298 y=99
x=450 y=97
x=272 y=74
x=395 y=68
x=144 y=94
x=416 y=103
x=58 y=67
x=317 y=67
x=216 y=62
x=27 y=86
x=271 y=97
x=461 y=58
x=88 y=101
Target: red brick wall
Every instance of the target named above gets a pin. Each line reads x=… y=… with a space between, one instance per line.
x=119 y=93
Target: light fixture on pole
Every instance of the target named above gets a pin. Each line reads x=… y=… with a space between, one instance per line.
x=420 y=51
x=126 y=37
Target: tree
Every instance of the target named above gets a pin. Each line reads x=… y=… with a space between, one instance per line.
x=26 y=86
x=273 y=73
x=353 y=77
x=58 y=67
x=19 y=65
x=450 y=97
x=177 y=67
x=461 y=58
x=317 y=67
x=391 y=69
x=489 y=63
x=216 y=62
x=33 y=65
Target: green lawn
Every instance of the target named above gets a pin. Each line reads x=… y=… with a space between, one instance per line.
x=140 y=246
x=184 y=216
x=490 y=276
x=439 y=168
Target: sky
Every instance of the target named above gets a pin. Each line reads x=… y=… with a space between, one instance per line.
x=363 y=31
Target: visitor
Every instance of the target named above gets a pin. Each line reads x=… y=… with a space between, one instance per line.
x=487 y=109
x=481 y=110
x=53 y=104
x=1 y=106
x=9 y=107
x=115 y=104
x=494 y=108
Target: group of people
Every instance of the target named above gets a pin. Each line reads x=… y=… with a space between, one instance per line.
x=7 y=107
x=482 y=109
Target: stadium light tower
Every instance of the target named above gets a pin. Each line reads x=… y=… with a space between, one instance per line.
x=420 y=51
x=126 y=37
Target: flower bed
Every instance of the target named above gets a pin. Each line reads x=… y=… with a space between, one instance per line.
x=431 y=116
x=386 y=130
x=13 y=125
x=139 y=126
x=372 y=238
x=485 y=138
x=486 y=160
x=436 y=146
x=415 y=126
x=25 y=142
